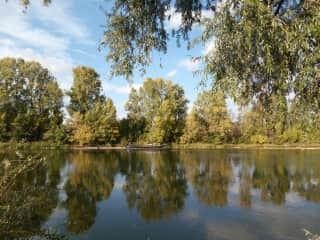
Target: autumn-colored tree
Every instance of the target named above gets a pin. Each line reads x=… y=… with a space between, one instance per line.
x=93 y=116
x=209 y=119
x=86 y=90
x=160 y=108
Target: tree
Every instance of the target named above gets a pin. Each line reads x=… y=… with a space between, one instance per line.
x=141 y=25
x=93 y=116
x=264 y=124
x=136 y=121
x=161 y=105
x=97 y=126
x=264 y=49
x=209 y=119
x=191 y=130
x=85 y=91
x=30 y=100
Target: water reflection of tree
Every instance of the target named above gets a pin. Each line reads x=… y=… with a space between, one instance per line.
x=91 y=180
x=277 y=173
x=306 y=178
x=273 y=183
x=210 y=175
x=155 y=184
x=245 y=184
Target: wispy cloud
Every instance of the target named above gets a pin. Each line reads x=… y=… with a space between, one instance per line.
x=60 y=66
x=18 y=26
x=59 y=16
x=175 y=20
x=172 y=73
x=189 y=64
x=119 y=89
x=209 y=47
x=42 y=34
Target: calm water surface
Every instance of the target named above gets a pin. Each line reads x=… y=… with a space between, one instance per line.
x=203 y=194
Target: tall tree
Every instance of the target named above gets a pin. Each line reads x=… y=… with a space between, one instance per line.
x=162 y=105
x=93 y=116
x=191 y=132
x=30 y=98
x=85 y=91
x=136 y=121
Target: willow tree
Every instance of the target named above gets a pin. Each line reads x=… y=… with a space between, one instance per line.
x=265 y=50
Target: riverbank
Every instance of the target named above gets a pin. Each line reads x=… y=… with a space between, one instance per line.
x=247 y=146
x=51 y=146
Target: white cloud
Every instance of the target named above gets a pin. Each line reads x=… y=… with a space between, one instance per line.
x=108 y=87
x=17 y=25
x=209 y=47
x=233 y=109
x=59 y=15
x=172 y=73
x=189 y=107
x=175 y=20
x=59 y=66
x=189 y=64
x=42 y=34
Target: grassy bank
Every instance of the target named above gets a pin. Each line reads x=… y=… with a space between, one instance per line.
x=31 y=146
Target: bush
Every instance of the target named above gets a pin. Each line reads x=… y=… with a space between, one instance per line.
x=291 y=135
x=260 y=139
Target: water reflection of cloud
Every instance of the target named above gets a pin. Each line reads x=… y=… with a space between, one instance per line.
x=293 y=199
x=119 y=182
x=228 y=231
x=191 y=215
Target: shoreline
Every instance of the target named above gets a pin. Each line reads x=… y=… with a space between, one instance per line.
x=173 y=146
x=210 y=146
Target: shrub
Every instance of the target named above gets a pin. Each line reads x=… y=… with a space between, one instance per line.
x=260 y=139
x=291 y=135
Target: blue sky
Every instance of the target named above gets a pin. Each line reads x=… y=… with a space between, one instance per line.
x=67 y=34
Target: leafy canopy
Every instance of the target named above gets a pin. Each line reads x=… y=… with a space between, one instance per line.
x=160 y=108
x=30 y=100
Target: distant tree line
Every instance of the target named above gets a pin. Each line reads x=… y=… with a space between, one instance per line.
x=31 y=109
